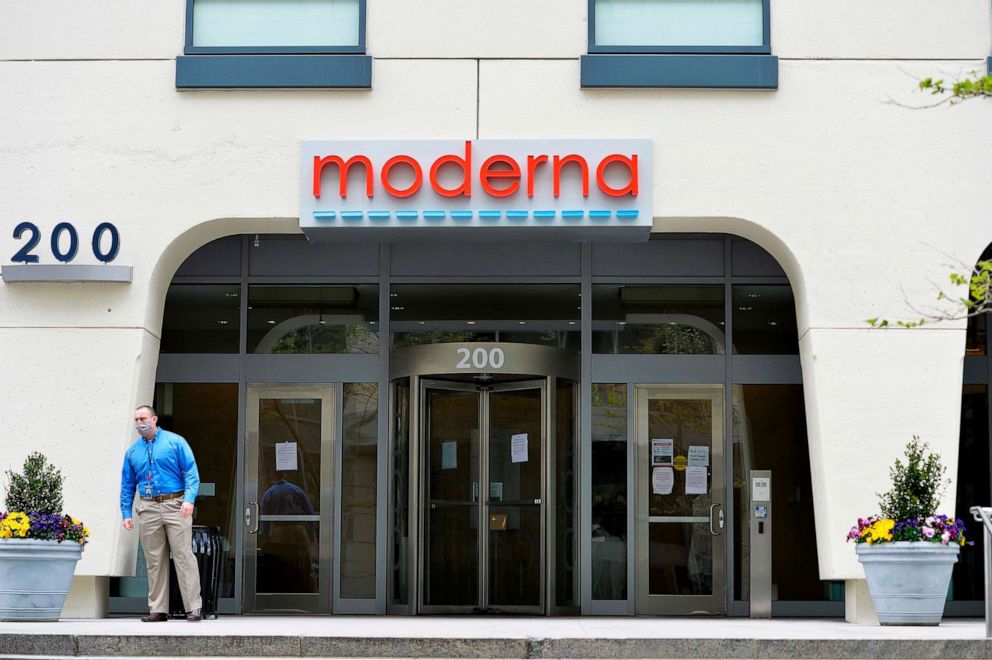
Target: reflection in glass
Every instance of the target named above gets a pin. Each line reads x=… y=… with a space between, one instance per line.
x=400 y=492
x=764 y=319
x=515 y=555
x=658 y=319
x=515 y=477
x=680 y=554
x=972 y=489
x=451 y=567
x=977 y=342
x=287 y=558
x=287 y=553
x=358 y=489
x=770 y=434
x=565 y=480
x=545 y=314
x=515 y=414
x=201 y=318
x=609 y=491
x=313 y=319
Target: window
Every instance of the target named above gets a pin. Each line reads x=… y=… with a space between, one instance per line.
x=679 y=26
x=720 y=44
x=275 y=26
x=274 y=44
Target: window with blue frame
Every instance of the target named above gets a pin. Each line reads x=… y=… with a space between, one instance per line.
x=266 y=26
x=680 y=43
x=245 y=43
x=679 y=26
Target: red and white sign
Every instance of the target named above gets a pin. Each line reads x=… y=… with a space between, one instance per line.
x=505 y=185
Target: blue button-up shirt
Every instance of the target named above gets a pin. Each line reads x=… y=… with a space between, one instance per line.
x=159 y=466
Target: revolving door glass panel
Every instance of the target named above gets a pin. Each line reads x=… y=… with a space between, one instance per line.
x=484 y=533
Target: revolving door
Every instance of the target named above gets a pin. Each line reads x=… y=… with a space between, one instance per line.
x=483 y=472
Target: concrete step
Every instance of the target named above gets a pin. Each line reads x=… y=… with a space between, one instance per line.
x=21 y=645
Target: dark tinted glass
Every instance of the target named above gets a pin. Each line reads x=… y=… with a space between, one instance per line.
x=671 y=319
x=546 y=314
x=313 y=319
x=972 y=490
x=360 y=431
x=206 y=414
x=770 y=434
x=201 y=318
x=764 y=320
x=609 y=492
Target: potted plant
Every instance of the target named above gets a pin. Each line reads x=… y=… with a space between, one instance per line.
x=39 y=545
x=908 y=552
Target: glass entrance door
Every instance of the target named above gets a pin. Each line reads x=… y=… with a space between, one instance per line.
x=287 y=513
x=484 y=536
x=681 y=493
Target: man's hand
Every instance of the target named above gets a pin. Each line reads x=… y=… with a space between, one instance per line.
x=187 y=510
x=128 y=524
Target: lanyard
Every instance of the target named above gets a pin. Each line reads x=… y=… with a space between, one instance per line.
x=151 y=462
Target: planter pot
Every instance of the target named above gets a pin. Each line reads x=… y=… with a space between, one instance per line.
x=35 y=577
x=908 y=580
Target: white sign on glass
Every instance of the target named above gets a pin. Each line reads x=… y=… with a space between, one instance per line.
x=449 y=455
x=662 y=480
x=695 y=480
x=699 y=455
x=285 y=456
x=518 y=447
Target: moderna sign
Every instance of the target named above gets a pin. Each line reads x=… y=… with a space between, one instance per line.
x=486 y=189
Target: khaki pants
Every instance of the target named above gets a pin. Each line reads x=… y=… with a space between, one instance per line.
x=162 y=529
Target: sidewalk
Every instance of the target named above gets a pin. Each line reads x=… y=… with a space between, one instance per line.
x=493 y=637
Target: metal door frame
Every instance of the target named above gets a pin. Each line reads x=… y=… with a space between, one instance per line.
x=319 y=603
x=483 y=504
x=715 y=603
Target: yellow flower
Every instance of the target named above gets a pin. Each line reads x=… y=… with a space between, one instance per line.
x=4 y=532
x=880 y=530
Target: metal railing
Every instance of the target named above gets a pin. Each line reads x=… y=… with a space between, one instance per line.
x=983 y=514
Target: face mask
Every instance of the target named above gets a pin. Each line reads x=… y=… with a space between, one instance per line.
x=144 y=428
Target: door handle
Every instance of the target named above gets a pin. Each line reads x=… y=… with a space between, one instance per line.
x=713 y=531
x=248 y=518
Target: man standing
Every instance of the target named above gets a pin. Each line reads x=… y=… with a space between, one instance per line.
x=160 y=465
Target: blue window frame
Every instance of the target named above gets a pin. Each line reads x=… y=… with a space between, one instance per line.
x=305 y=18
x=705 y=44
x=680 y=26
x=259 y=44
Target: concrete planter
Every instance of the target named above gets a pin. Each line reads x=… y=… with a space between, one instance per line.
x=35 y=577
x=908 y=580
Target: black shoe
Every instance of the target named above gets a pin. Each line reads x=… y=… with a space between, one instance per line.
x=195 y=615
x=155 y=617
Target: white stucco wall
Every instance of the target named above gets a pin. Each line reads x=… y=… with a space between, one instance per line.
x=858 y=198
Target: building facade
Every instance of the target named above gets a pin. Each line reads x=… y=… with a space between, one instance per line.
x=424 y=370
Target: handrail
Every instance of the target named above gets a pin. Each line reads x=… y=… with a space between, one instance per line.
x=983 y=514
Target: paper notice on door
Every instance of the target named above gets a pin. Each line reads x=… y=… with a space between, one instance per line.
x=695 y=480
x=662 y=451
x=518 y=447
x=449 y=455
x=662 y=480
x=699 y=455
x=285 y=456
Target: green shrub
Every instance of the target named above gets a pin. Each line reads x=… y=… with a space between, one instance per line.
x=38 y=489
x=916 y=485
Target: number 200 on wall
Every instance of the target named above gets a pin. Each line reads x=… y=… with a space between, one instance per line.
x=24 y=255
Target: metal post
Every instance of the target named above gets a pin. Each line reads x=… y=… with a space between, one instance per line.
x=984 y=515
x=760 y=523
